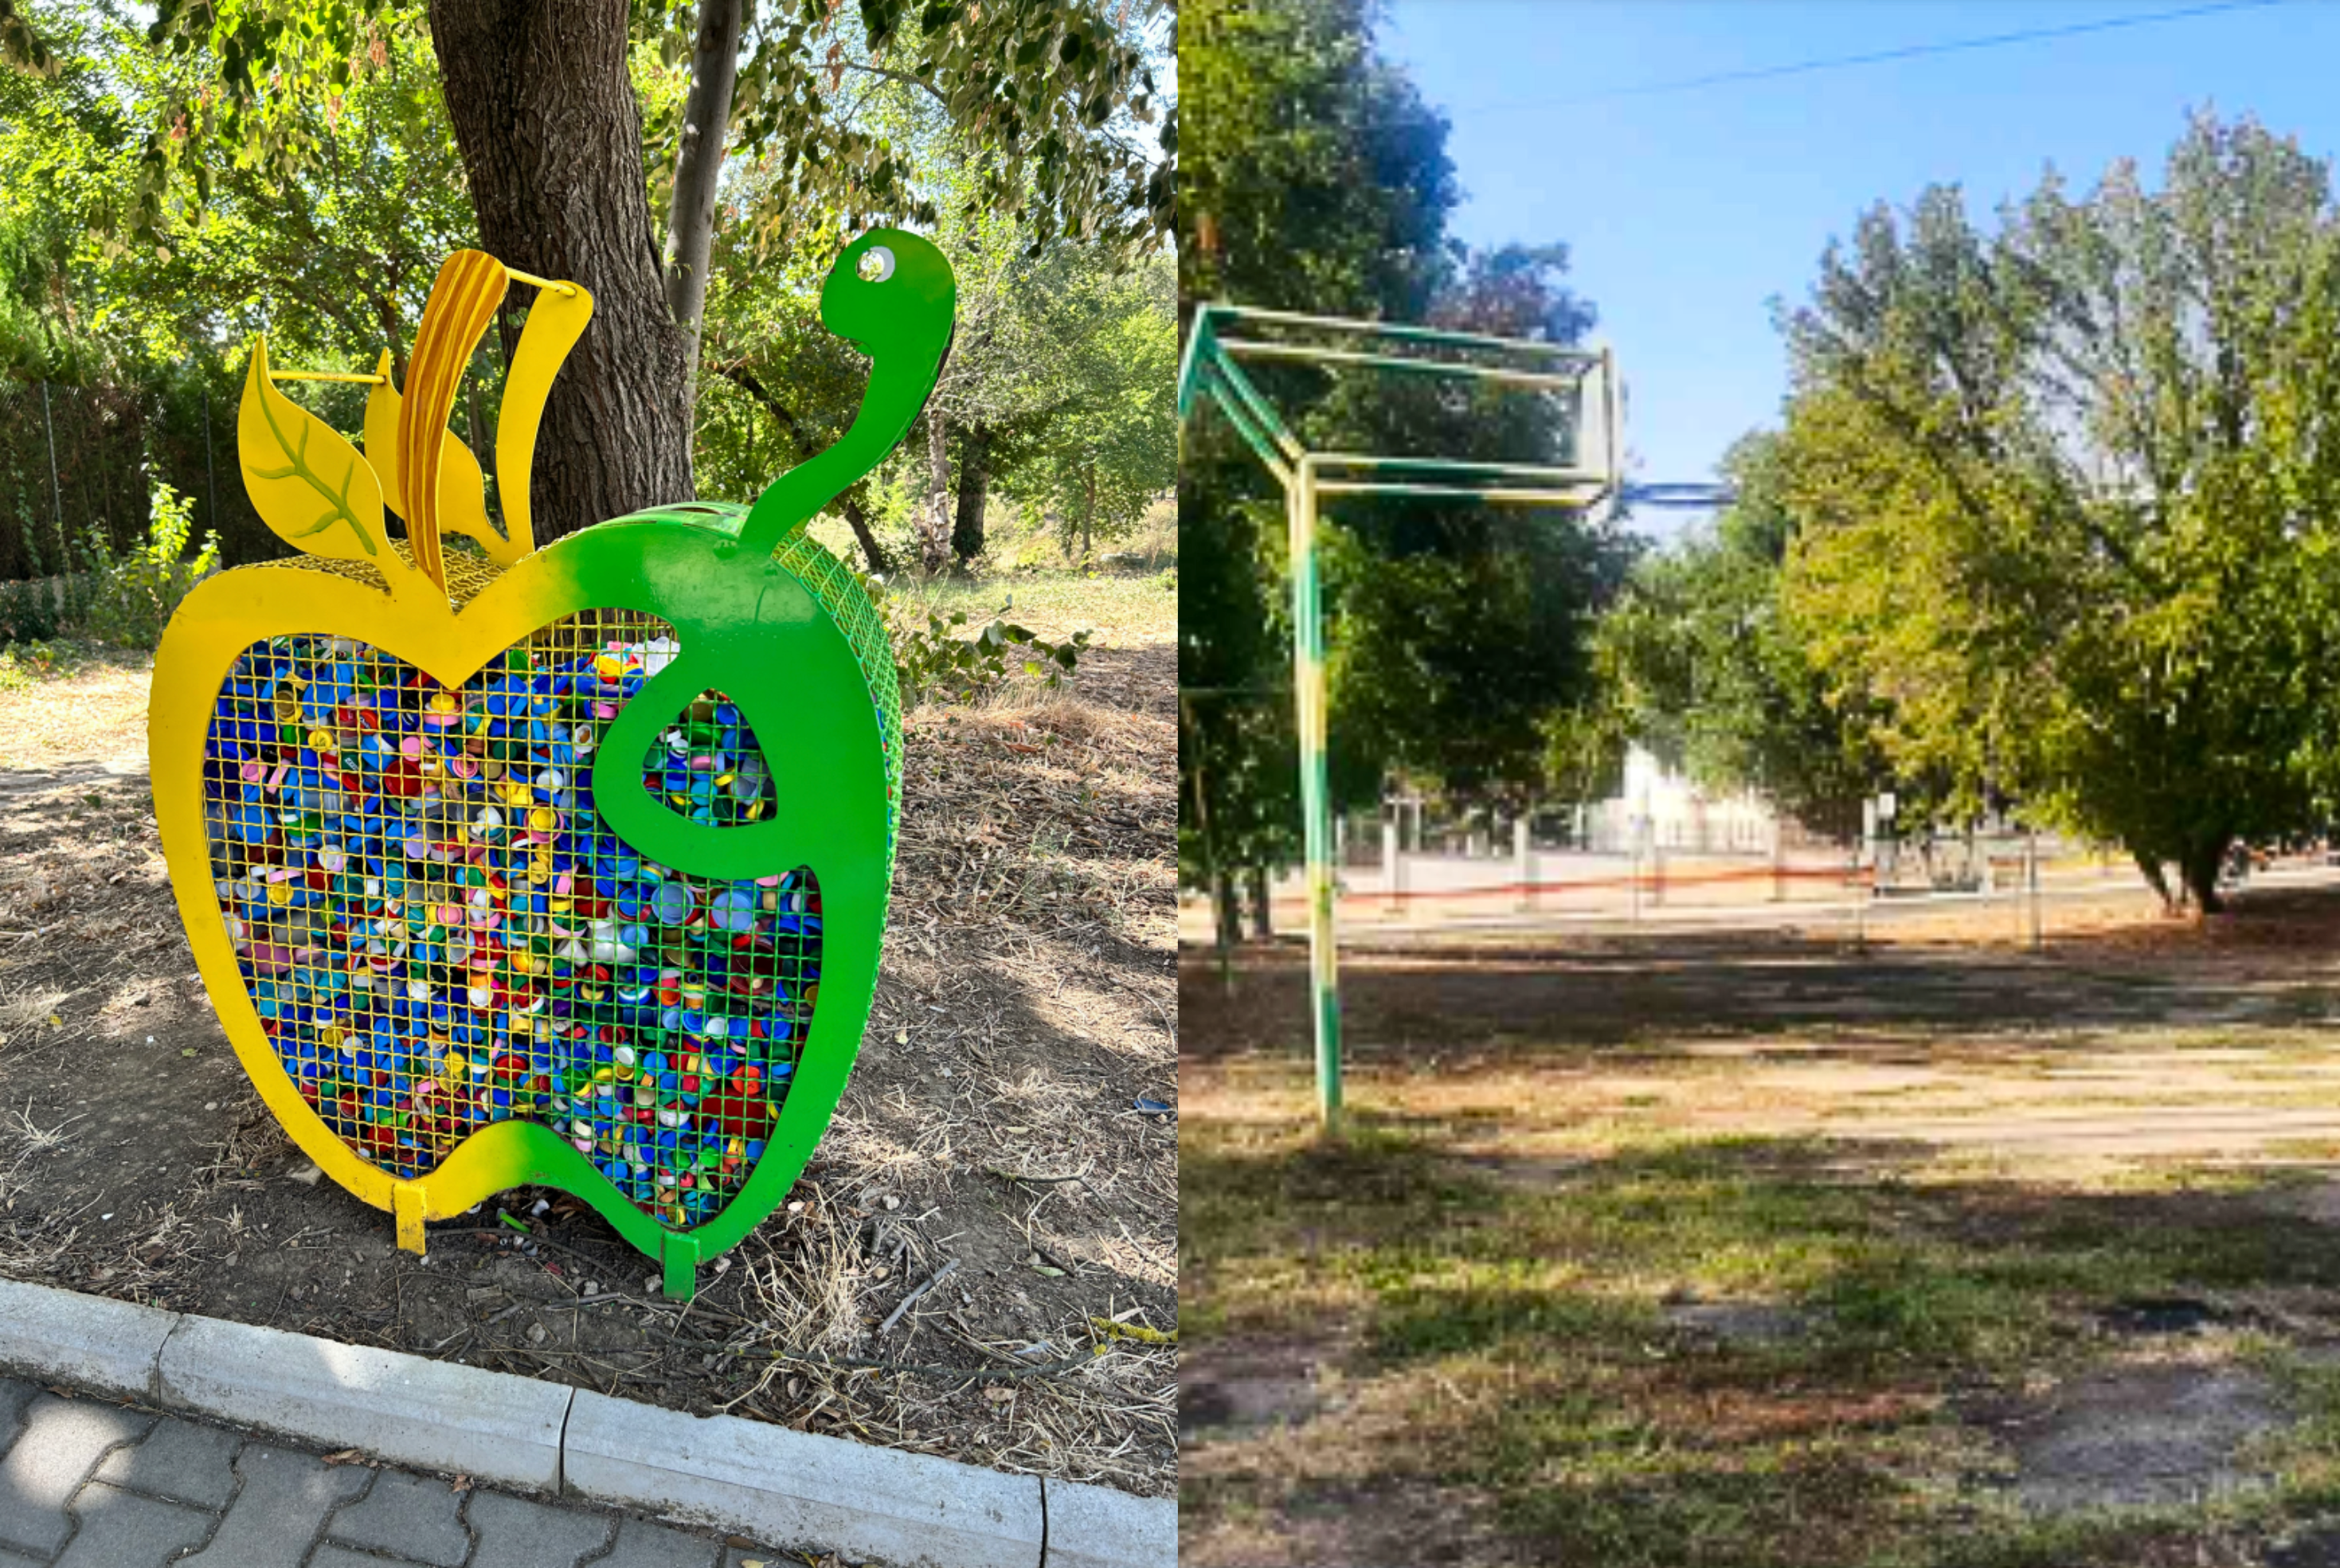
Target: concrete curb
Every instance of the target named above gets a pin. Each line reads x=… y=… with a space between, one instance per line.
x=407 y=1409
x=92 y=1342
x=1098 y=1527
x=788 y=1489
x=798 y=1492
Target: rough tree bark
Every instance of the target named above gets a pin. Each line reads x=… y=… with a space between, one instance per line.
x=544 y=114
x=974 y=483
x=698 y=164
x=1263 y=914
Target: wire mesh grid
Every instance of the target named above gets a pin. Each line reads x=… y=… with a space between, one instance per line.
x=439 y=932
x=849 y=605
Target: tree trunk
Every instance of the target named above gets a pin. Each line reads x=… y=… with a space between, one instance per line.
x=974 y=482
x=1229 y=911
x=386 y=311
x=1263 y=916
x=2204 y=859
x=2149 y=866
x=1088 y=510
x=698 y=163
x=857 y=517
x=544 y=114
x=935 y=531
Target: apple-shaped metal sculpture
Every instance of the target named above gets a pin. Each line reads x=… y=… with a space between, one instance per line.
x=564 y=865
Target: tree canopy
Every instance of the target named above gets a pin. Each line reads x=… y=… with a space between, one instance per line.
x=569 y=118
x=2062 y=497
x=1316 y=179
x=1700 y=663
x=318 y=198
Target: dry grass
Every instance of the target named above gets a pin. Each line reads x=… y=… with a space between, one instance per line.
x=1461 y=1334
x=1121 y=610
x=92 y=708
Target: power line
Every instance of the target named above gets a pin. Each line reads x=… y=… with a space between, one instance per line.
x=1881 y=56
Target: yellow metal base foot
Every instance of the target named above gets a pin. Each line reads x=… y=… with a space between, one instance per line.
x=406 y=1205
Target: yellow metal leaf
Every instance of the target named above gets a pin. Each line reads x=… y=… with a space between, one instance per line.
x=309 y=485
x=462 y=490
x=470 y=285
x=555 y=322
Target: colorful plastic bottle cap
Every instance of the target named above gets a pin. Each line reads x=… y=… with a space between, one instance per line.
x=673 y=902
x=733 y=909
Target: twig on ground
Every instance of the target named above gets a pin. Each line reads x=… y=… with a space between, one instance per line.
x=859 y=1363
x=941 y=1274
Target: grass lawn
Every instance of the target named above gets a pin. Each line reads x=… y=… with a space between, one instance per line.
x=1116 y=606
x=1579 y=1289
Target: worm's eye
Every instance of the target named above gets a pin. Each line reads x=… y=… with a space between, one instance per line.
x=877 y=265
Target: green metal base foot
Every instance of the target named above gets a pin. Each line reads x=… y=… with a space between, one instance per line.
x=680 y=1257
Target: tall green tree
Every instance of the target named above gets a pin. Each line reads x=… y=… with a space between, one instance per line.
x=1701 y=661
x=2065 y=492
x=1056 y=98
x=1099 y=427
x=1314 y=177
x=1317 y=180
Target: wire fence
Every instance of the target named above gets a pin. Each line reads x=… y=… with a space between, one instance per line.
x=78 y=463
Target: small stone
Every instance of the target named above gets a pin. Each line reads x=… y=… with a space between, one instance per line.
x=536 y=1333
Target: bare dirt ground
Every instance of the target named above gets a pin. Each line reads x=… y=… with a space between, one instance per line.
x=1759 y=1247
x=2132 y=1036
x=1027 y=1003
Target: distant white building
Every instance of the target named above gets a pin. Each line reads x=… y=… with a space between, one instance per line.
x=1678 y=815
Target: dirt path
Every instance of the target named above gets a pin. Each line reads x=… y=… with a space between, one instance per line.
x=2139 y=1040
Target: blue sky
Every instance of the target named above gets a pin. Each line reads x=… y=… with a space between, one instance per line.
x=1685 y=211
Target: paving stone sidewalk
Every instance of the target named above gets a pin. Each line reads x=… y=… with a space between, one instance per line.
x=86 y=1483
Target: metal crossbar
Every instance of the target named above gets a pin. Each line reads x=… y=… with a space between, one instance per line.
x=1210 y=370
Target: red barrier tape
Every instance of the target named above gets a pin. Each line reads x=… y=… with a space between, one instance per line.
x=1648 y=883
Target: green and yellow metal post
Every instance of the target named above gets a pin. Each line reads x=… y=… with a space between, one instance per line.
x=1209 y=367
x=1316 y=785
